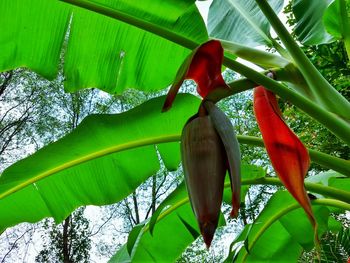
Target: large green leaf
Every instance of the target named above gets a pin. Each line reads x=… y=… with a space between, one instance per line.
x=337 y=21
x=170 y=237
x=281 y=231
x=121 y=256
x=98 y=163
x=240 y=21
x=152 y=242
x=283 y=239
x=176 y=229
x=309 y=26
x=101 y=52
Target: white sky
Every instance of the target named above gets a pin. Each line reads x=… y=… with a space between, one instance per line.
x=203 y=7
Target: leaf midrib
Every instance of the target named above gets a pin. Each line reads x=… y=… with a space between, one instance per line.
x=144 y=142
x=91 y=156
x=247 y=17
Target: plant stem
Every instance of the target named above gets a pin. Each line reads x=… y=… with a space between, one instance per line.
x=286 y=210
x=337 y=164
x=312 y=187
x=321 y=89
x=335 y=124
x=256 y=56
x=325 y=201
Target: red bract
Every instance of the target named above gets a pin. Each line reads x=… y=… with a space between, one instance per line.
x=209 y=147
x=289 y=157
x=203 y=65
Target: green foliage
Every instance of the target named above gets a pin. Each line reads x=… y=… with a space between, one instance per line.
x=141 y=46
x=246 y=24
x=335 y=247
x=332 y=62
x=309 y=27
x=71 y=173
x=76 y=237
x=273 y=236
x=126 y=59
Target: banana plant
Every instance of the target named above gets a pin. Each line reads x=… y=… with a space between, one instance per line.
x=115 y=46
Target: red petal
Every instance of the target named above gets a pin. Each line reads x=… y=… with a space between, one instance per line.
x=203 y=65
x=288 y=155
x=205 y=68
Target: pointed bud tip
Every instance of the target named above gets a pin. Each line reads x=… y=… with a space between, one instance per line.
x=234 y=213
x=208 y=231
x=165 y=108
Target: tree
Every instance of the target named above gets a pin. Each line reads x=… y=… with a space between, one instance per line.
x=295 y=80
x=45 y=113
x=69 y=242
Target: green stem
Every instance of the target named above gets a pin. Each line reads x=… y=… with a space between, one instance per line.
x=286 y=210
x=322 y=90
x=342 y=202
x=256 y=56
x=312 y=187
x=287 y=74
x=335 y=124
x=281 y=50
x=337 y=164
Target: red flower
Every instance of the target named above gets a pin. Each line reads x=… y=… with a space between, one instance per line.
x=288 y=155
x=203 y=65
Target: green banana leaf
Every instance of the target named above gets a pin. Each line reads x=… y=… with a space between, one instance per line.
x=285 y=239
x=176 y=228
x=282 y=241
x=241 y=21
x=309 y=27
x=173 y=220
x=98 y=51
x=171 y=237
x=98 y=163
x=179 y=196
x=121 y=256
x=337 y=21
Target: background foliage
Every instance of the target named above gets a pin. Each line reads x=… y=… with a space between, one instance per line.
x=87 y=49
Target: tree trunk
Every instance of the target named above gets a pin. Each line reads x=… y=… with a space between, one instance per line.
x=65 y=236
x=154 y=193
x=136 y=208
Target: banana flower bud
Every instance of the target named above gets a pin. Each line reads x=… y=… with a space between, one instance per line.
x=209 y=148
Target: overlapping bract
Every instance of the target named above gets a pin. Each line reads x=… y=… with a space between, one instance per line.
x=209 y=149
x=288 y=155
